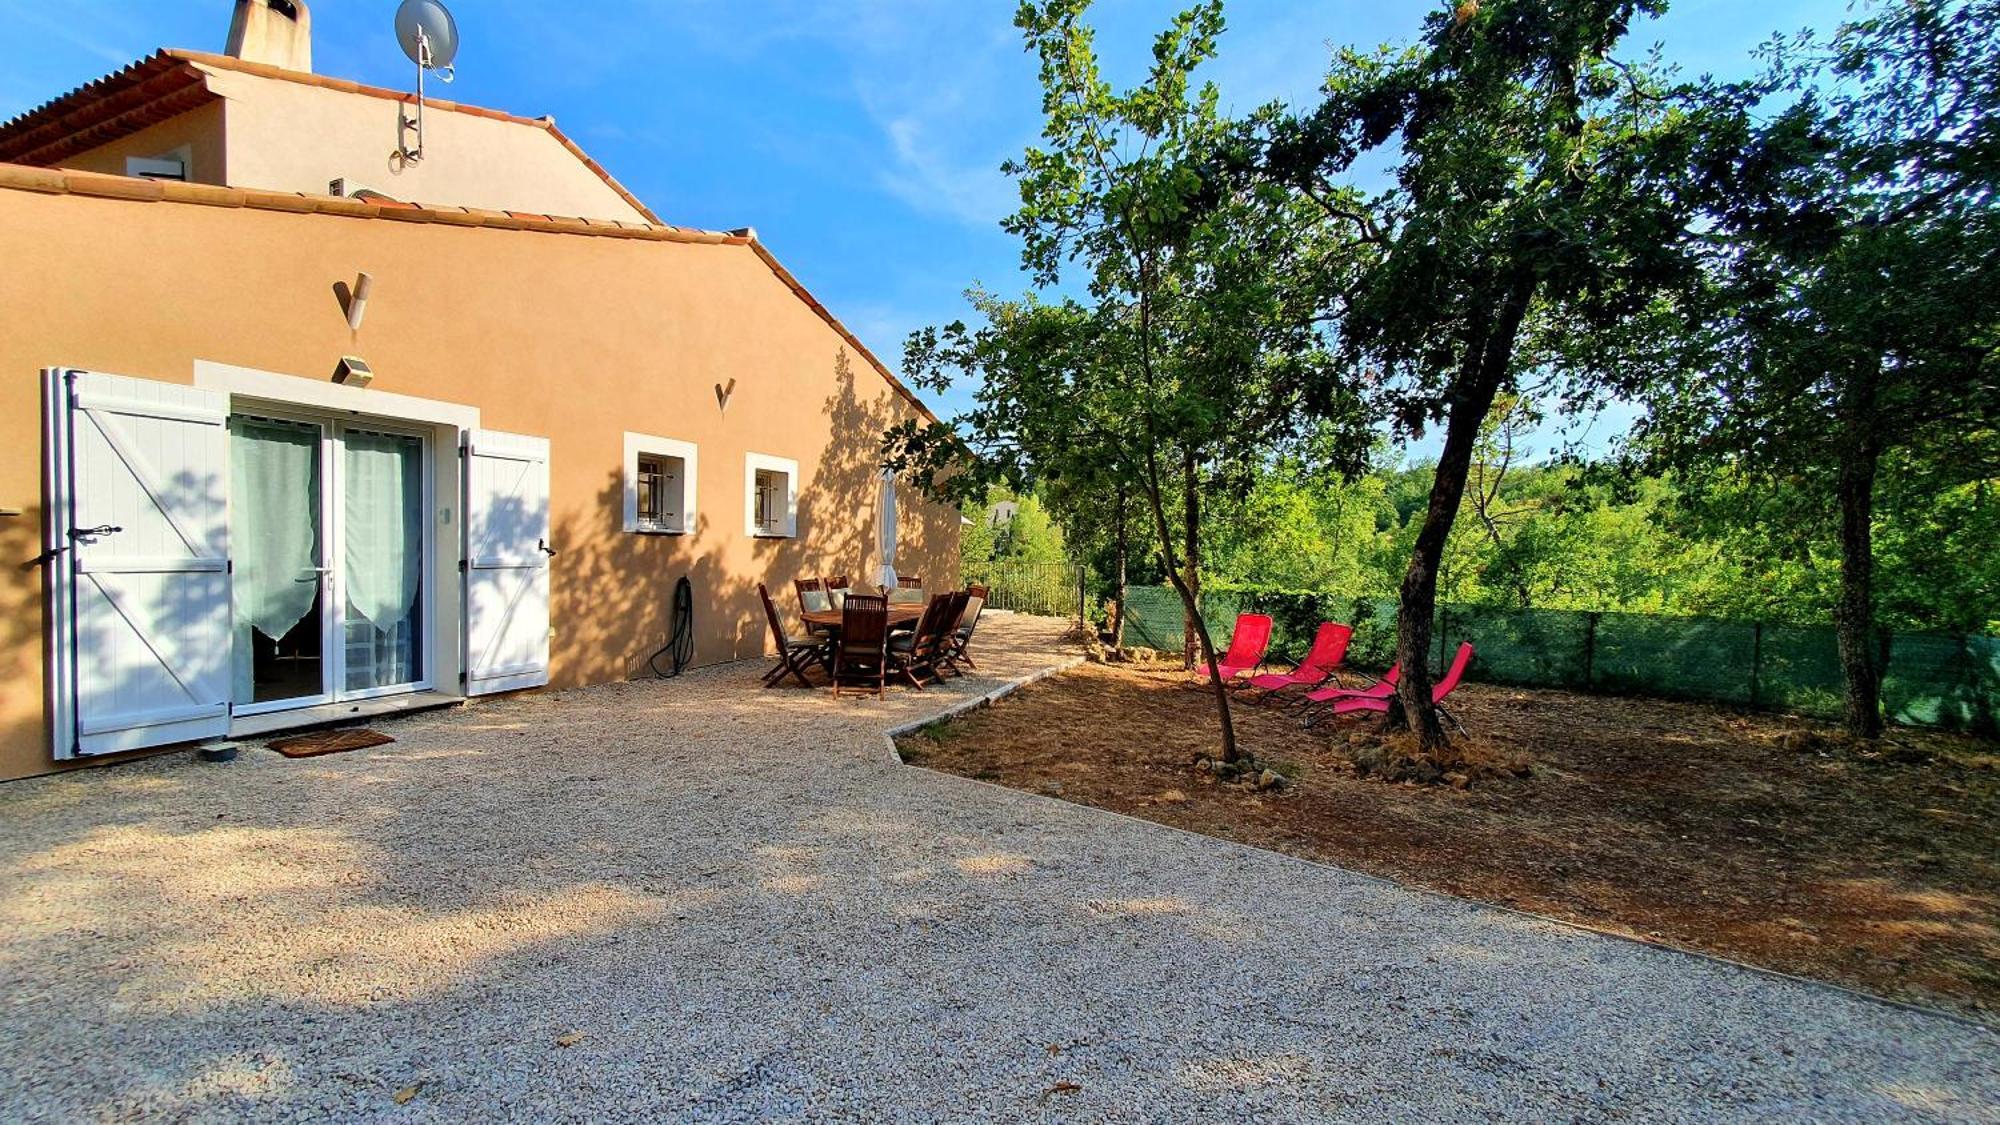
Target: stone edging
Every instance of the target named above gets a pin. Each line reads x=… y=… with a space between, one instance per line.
x=973 y=704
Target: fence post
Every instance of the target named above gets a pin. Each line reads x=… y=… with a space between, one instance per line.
x=1590 y=648
x=1082 y=598
x=1756 y=662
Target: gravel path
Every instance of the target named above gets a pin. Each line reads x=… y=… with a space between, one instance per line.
x=700 y=901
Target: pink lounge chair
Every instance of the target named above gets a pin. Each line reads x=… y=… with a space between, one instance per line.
x=1329 y=648
x=1247 y=646
x=1353 y=704
x=1380 y=689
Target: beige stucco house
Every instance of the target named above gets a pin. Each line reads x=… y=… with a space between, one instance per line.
x=215 y=524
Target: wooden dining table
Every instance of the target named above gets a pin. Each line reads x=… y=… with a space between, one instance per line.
x=900 y=614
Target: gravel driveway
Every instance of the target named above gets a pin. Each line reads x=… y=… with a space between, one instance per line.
x=697 y=900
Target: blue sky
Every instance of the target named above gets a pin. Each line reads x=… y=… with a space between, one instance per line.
x=862 y=139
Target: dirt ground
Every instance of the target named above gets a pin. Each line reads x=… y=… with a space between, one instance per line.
x=1763 y=838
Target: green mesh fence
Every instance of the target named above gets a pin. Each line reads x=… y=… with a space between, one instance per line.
x=1930 y=679
x=1674 y=657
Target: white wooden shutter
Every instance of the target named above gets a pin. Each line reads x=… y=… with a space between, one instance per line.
x=139 y=538
x=507 y=554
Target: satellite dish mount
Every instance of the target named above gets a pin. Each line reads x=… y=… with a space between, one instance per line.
x=429 y=36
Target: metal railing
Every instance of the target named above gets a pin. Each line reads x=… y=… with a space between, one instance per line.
x=1050 y=589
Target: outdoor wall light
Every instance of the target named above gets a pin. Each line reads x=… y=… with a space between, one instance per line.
x=357 y=300
x=353 y=371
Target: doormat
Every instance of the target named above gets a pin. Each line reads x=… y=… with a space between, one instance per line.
x=328 y=742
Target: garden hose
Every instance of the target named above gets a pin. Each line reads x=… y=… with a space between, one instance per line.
x=680 y=639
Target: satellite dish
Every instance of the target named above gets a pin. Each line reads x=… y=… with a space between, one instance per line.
x=428 y=33
x=430 y=37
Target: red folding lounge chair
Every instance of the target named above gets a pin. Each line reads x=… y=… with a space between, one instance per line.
x=1329 y=648
x=1247 y=646
x=1380 y=689
x=1380 y=703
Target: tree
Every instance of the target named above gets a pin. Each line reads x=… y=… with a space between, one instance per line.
x=976 y=541
x=1103 y=546
x=1841 y=333
x=1190 y=354
x=1031 y=536
x=1536 y=207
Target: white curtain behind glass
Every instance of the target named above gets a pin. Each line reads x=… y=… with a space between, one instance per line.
x=274 y=506
x=384 y=526
x=383 y=556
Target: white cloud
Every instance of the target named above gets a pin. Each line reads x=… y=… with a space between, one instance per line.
x=928 y=177
x=72 y=27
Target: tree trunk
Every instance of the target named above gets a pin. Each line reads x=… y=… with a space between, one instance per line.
x=1854 y=613
x=1417 y=604
x=1191 y=558
x=1488 y=355
x=1157 y=502
x=1121 y=553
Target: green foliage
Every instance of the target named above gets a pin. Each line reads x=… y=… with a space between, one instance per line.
x=1790 y=274
x=1190 y=353
x=1837 y=337
x=1030 y=536
x=976 y=541
x=1537 y=214
x=1291 y=530
x=1577 y=542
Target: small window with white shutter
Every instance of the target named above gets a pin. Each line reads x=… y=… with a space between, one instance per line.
x=771 y=490
x=659 y=485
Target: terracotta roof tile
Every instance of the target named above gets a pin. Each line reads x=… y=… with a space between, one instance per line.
x=208 y=194
x=25 y=178
x=278 y=201
x=455 y=216
x=113 y=187
x=341 y=205
x=144 y=93
x=409 y=214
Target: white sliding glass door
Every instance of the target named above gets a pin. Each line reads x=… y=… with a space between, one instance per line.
x=330 y=599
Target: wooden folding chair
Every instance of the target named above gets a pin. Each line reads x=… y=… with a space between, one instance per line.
x=861 y=653
x=795 y=654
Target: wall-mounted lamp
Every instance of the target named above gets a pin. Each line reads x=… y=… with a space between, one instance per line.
x=357 y=300
x=353 y=371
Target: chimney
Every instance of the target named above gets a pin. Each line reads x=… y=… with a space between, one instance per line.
x=275 y=32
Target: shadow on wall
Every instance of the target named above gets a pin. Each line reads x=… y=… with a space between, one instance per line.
x=845 y=489
x=21 y=629
x=613 y=589
x=613 y=593
x=612 y=598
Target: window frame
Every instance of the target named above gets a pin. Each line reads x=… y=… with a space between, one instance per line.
x=788 y=525
x=665 y=450
x=154 y=167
